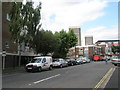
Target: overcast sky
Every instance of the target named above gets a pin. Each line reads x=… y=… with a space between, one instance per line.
x=95 y=17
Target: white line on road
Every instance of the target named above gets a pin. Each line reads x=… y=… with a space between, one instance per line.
x=46 y=79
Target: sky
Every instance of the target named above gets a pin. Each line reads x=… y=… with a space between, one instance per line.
x=98 y=18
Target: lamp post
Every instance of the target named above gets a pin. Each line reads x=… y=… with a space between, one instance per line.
x=4 y=54
x=75 y=52
x=83 y=52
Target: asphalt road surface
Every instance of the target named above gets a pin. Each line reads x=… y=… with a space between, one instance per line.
x=89 y=75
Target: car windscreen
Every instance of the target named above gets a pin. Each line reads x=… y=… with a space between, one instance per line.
x=78 y=59
x=67 y=59
x=116 y=57
x=55 y=60
x=36 y=60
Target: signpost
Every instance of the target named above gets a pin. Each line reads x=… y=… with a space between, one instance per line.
x=4 y=55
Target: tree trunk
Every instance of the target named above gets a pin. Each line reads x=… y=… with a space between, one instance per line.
x=20 y=55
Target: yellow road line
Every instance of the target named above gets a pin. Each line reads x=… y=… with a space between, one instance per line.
x=103 y=79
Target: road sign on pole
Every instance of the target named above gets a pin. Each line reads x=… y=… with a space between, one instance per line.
x=4 y=54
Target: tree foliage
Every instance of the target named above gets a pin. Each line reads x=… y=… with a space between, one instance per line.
x=25 y=21
x=66 y=41
x=57 y=44
x=44 y=42
x=16 y=20
x=116 y=49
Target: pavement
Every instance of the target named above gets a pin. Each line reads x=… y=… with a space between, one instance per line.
x=78 y=76
x=13 y=71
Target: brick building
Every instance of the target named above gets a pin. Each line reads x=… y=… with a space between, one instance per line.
x=7 y=44
x=87 y=51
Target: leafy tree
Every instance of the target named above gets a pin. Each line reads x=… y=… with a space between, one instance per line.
x=16 y=24
x=116 y=49
x=25 y=22
x=31 y=18
x=44 y=42
x=72 y=38
x=66 y=41
x=16 y=21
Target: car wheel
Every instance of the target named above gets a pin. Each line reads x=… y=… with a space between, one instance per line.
x=50 y=68
x=115 y=64
x=67 y=65
x=27 y=70
x=61 y=66
x=33 y=71
x=39 y=69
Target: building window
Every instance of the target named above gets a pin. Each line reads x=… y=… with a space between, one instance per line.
x=8 y=17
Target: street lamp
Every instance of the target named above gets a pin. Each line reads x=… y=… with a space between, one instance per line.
x=75 y=52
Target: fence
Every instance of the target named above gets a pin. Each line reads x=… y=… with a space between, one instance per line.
x=13 y=60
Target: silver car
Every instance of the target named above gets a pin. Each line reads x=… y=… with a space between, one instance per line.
x=79 y=61
x=116 y=60
x=59 y=62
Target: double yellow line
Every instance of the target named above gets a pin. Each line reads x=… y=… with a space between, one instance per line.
x=103 y=79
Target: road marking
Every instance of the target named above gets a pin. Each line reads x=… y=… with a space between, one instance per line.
x=46 y=79
x=108 y=78
x=29 y=84
x=103 y=79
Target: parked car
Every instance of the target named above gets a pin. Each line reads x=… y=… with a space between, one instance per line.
x=87 y=60
x=79 y=61
x=39 y=63
x=59 y=62
x=84 y=59
x=71 y=62
x=116 y=60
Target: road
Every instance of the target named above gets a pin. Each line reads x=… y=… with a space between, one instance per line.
x=89 y=75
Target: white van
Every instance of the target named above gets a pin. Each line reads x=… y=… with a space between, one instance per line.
x=39 y=63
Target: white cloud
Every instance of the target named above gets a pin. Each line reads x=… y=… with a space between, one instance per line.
x=70 y=13
x=60 y=14
x=103 y=33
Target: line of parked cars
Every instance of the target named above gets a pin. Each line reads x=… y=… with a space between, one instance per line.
x=47 y=62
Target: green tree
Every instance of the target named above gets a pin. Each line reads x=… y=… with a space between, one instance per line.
x=16 y=24
x=66 y=41
x=16 y=21
x=44 y=42
x=72 y=39
x=31 y=18
x=25 y=22
x=116 y=49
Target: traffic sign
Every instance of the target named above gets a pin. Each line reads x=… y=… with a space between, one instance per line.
x=4 y=53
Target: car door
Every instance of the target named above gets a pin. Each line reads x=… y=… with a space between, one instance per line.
x=64 y=62
x=61 y=61
x=44 y=63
